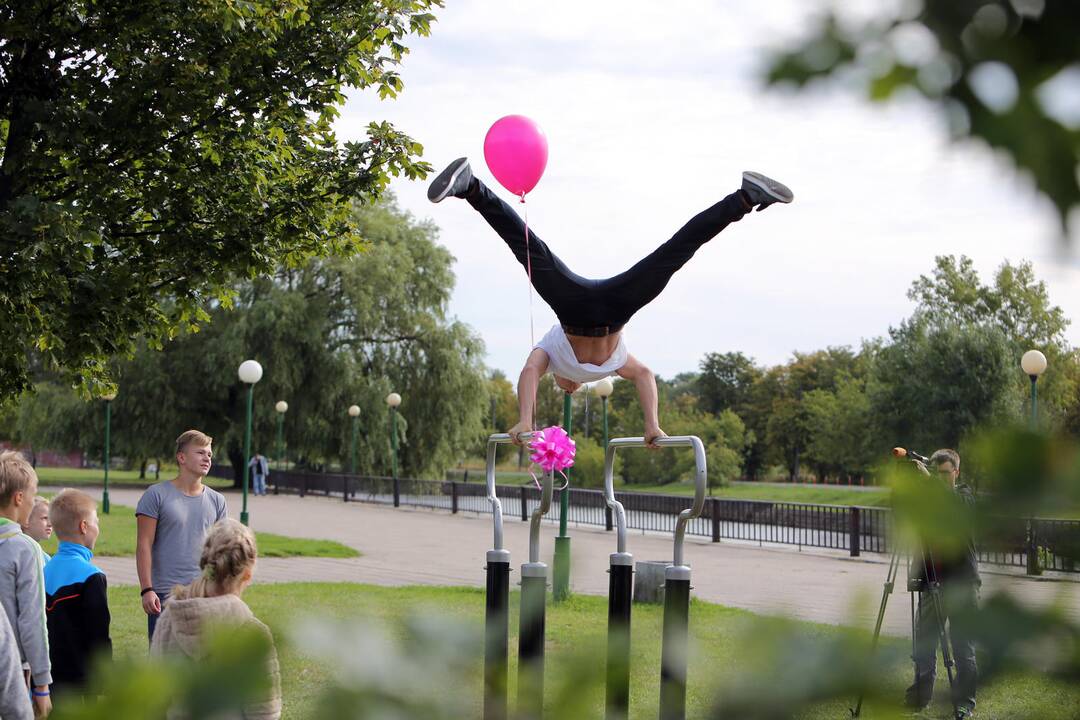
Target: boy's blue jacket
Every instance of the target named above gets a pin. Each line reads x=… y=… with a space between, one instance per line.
x=77 y=607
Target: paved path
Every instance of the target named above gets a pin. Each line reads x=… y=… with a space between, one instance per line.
x=410 y=547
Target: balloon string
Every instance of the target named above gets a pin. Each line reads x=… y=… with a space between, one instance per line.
x=528 y=267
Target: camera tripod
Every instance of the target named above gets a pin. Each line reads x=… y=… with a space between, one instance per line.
x=930 y=584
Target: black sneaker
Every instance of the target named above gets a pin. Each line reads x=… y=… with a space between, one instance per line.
x=763 y=192
x=454 y=180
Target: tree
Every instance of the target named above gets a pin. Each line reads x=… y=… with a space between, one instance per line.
x=1017 y=304
x=935 y=384
x=336 y=332
x=725 y=381
x=152 y=152
x=997 y=69
x=840 y=441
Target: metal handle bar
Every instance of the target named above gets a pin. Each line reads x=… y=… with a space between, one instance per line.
x=496 y=507
x=700 y=482
x=537 y=514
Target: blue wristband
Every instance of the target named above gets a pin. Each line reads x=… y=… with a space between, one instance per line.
x=35 y=693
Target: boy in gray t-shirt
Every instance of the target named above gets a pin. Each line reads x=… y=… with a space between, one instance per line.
x=173 y=518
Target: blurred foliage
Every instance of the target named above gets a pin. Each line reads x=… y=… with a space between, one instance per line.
x=1001 y=71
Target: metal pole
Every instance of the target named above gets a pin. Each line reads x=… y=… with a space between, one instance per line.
x=1032 y=560
x=352 y=452
x=393 y=455
x=280 y=432
x=676 y=640
x=497 y=605
x=105 y=492
x=560 y=586
x=531 y=618
x=676 y=584
x=1034 y=402
x=620 y=592
x=603 y=401
x=247 y=452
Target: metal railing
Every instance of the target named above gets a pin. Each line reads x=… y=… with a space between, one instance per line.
x=837 y=527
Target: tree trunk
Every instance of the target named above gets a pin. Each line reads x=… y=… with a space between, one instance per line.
x=236 y=457
x=142 y=470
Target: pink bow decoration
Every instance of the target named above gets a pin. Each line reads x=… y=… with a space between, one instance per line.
x=552 y=449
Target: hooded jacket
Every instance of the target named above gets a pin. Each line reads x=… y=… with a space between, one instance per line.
x=179 y=632
x=77 y=606
x=22 y=595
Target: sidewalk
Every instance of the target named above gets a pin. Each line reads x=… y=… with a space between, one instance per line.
x=419 y=547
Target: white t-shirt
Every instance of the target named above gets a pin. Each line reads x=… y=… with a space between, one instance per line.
x=563 y=362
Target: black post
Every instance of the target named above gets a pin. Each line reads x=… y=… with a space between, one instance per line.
x=345 y=488
x=854 y=532
x=303 y=485
x=453 y=497
x=714 y=510
x=397 y=493
x=674 y=652
x=524 y=504
x=497 y=634
x=620 y=593
x=531 y=642
x=609 y=522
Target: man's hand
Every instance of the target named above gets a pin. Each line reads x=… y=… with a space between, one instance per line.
x=651 y=435
x=151 y=603
x=921 y=468
x=42 y=703
x=524 y=426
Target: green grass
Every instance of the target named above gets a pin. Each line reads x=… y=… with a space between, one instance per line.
x=117 y=539
x=575 y=629
x=96 y=476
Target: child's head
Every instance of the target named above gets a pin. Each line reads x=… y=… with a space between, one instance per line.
x=74 y=517
x=38 y=525
x=227 y=562
x=194 y=451
x=18 y=485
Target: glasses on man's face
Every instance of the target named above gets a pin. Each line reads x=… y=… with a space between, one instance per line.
x=944 y=474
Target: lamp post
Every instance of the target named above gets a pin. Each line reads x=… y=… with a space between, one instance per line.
x=282 y=407
x=393 y=400
x=1033 y=363
x=560 y=577
x=108 y=421
x=250 y=372
x=354 y=413
x=604 y=388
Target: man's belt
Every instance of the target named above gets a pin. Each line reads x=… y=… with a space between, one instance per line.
x=596 y=331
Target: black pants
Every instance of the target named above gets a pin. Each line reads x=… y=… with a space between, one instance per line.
x=959 y=601
x=580 y=302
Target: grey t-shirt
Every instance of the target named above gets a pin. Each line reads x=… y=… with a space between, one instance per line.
x=182 y=522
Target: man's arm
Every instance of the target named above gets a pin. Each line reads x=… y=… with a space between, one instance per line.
x=645 y=382
x=145 y=531
x=535 y=367
x=31 y=624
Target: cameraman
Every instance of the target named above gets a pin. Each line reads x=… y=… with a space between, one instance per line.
x=957 y=573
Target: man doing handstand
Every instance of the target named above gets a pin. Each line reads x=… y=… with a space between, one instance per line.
x=587 y=344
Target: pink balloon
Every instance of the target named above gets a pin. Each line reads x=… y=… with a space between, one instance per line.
x=516 y=152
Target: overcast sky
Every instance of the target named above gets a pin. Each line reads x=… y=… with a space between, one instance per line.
x=652 y=111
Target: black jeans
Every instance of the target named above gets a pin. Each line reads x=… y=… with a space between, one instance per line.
x=959 y=601
x=585 y=303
